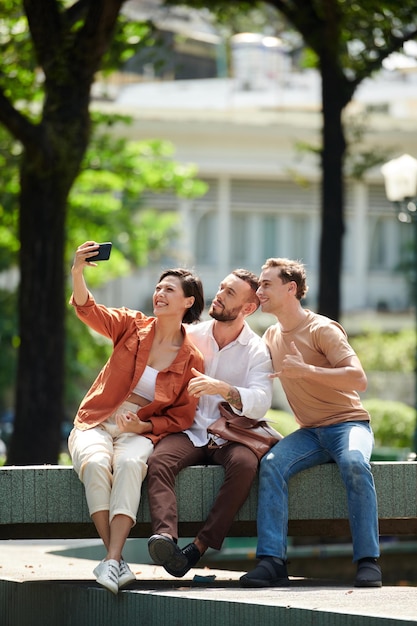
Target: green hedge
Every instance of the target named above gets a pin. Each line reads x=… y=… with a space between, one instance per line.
x=386 y=352
x=393 y=422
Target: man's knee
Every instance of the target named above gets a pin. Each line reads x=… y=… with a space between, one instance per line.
x=353 y=461
x=162 y=463
x=245 y=460
x=155 y=462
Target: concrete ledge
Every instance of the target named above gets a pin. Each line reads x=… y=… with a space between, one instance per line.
x=83 y=603
x=48 y=502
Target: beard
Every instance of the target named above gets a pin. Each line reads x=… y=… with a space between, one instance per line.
x=224 y=315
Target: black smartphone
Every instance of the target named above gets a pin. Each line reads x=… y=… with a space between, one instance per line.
x=104 y=251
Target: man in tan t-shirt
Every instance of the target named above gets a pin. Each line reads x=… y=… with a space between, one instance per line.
x=321 y=377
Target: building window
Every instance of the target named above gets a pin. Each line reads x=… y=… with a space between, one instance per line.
x=269 y=236
x=302 y=246
x=240 y=239
x=207 y=239
x=389 y=241
x=290 y=236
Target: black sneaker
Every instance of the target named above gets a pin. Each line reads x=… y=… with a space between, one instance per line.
x=190 y=555
x=270 y=572
x=368 y=574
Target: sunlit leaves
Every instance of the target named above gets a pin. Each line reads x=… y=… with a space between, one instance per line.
x=9 y=243
x=110 y=199
x=129 y=35
x=389 y=352
x=18 y=78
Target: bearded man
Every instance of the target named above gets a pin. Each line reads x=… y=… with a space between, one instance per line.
x=237 y=366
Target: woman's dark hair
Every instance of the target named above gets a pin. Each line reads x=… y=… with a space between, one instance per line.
x=191 y=286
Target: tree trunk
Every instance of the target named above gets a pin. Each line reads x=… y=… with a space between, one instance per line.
x=49 y=167
x=40 y=375
x=332 y=197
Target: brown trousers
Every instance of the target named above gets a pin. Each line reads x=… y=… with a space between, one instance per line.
x=175 y=452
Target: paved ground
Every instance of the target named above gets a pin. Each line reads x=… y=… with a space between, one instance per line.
x=24 y=561
x=36 y=560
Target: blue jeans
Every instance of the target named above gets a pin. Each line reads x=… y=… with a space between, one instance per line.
x=348 y=444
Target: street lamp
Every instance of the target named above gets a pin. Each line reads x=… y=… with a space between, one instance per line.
x=400 y=177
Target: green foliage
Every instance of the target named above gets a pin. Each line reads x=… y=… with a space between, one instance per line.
x=386 y=352
x=225 y=11
x=107 y=200
x=19 y=79
x=393 y=422
x=282 y=421
x=9 y=243
x=359 y=35
x=64 y=459
x=128 y=37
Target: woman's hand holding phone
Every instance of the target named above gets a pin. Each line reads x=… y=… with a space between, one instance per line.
x=103 y=252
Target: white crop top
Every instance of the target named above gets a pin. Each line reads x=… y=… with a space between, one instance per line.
x=146 y=384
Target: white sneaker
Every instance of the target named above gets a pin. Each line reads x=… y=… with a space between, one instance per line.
x=107 y=574
x=126 y=575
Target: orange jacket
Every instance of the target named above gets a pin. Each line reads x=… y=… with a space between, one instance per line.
x=132 y=335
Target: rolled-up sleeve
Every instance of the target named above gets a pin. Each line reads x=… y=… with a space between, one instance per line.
x=256 y=395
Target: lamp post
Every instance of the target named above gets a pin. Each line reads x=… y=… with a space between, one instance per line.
x=400 y=177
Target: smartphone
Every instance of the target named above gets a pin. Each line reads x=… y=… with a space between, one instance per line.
x=104 y=250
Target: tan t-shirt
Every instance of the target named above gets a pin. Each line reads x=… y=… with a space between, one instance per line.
x=323 y=343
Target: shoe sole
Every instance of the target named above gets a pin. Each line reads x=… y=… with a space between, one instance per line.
x=176 y=569
x=168 y=554
x=105 y=584
x=162 y=551
x=126 y=580
x=368 y=583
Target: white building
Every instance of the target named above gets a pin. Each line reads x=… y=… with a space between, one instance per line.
x=264 y=196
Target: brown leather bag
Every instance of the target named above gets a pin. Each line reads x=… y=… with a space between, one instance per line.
x=258 y=436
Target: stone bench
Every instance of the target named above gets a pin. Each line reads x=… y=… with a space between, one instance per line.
x=48 y=502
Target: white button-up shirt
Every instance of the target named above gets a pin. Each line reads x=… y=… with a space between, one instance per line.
x=244 y=363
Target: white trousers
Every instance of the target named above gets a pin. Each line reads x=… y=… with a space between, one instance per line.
x=112 y=465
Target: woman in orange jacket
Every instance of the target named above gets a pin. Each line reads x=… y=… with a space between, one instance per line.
x=139 y=397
